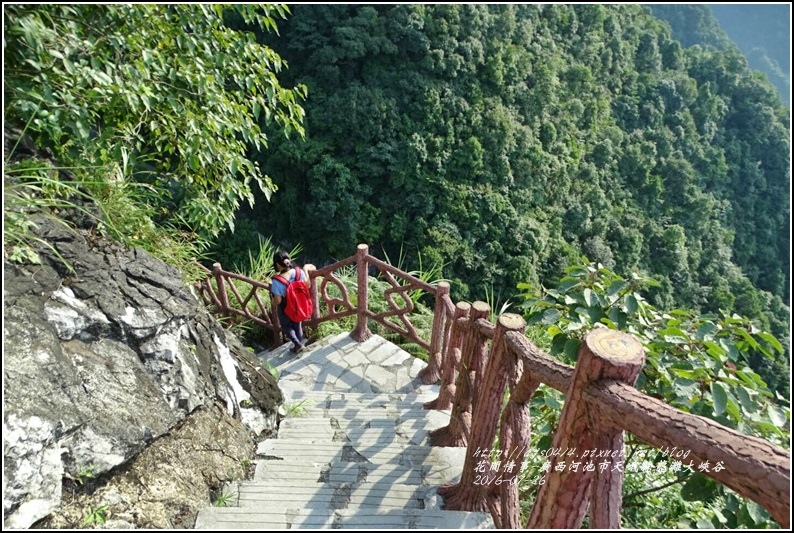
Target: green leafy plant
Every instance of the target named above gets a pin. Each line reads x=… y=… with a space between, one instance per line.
x=297 y=409
x=31 y=188
x=223 y=500
x=96 y=515
x=246 y=403
x=495 y=302
x=86 y=473
x=431 y=275
x=108 y=83
x=272 y=369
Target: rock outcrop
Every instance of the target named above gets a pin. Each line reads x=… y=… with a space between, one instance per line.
x=107 y=361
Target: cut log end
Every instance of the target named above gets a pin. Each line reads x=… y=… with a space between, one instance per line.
x=615 y=346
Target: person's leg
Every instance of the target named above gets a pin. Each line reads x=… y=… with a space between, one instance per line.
x=288 y=327
x=299 y=332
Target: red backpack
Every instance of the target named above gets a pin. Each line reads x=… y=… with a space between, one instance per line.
x=299 y=305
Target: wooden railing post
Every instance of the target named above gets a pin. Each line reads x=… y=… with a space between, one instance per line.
x=514 y=434
x=362 y=333
x=432 y=372
x=315 y=298
x=466 y=495
x=451 y=361
x=216 y=272
x=473 y=354
x=563 y=499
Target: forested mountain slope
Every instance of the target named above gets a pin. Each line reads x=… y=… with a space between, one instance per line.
x=504 y=141
x=763 y=34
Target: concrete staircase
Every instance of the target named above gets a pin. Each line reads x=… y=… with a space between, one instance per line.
x=352 y=451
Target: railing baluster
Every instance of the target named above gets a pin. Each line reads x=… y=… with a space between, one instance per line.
x=446 y=393
x=472 y=354
x=466 y=495
x=432 y=372
x=562 y=501
x=362 y=332
x=217 y=272
x=514 y=435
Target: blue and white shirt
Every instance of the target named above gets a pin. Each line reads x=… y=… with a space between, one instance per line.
x=278 y=288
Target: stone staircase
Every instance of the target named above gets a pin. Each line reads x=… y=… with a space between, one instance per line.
x=352 y=451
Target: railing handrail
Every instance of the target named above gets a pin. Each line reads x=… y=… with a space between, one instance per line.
x=363 y=261
x=753 y=467
x=758 y=469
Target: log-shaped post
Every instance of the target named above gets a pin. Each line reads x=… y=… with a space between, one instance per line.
x=446 y=393
x=315 y=297
x=218 y=274
x=563 y=499
x=432 y=372
x=361 y=332
x=466 y=495
x=472 y=356
x=514 y=434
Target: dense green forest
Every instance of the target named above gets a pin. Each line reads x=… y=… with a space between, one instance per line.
x=506 y=141
x=502 y=143
x=761 y=31
x=763 y=34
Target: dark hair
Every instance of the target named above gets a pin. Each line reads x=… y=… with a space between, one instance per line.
x=279 y=259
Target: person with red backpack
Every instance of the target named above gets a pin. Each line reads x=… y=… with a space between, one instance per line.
x=290 y=293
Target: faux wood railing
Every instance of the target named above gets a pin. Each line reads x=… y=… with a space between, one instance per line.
x=219 y=291
x=601 y=403
x=476 y=361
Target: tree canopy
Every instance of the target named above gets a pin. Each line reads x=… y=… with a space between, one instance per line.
x=506 y=141
x=169 y=92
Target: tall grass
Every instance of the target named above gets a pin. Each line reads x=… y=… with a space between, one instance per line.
x=119 y=209
x=29 y=190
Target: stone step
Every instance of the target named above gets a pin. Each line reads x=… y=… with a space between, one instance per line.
x=376 y=402
x=403 y=427
x=424 y=392
x=225 y=518
x=294 y=494
x=309 y=472
x=445 y=467
x=351 y=413
x=335 y=452
x=438 y=465
x=368 y=436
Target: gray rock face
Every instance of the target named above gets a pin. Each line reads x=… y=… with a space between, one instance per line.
x=102 y=361
x=166 y=485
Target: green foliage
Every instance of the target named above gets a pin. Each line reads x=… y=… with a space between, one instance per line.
x=86 y=473
x=246 y=465
x=166 y=91
x=224 y=500
x=698 y=363
x=432 y=275
x=272 y=369
x=297 y=409
x=504 y=141
x=96 y=515
x=29 y=189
